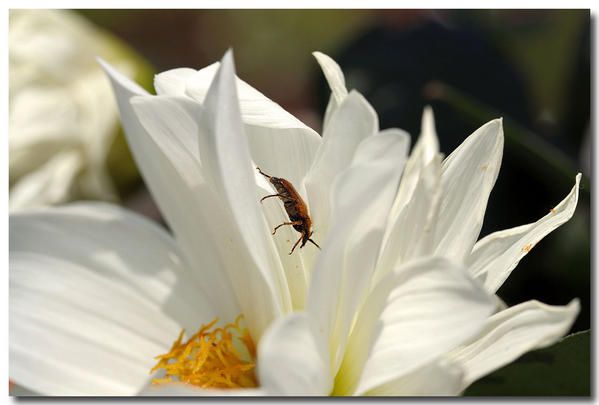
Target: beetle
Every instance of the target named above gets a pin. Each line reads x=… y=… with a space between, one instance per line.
x=294 y=206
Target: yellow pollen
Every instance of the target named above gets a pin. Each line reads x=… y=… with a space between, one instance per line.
x=211 y=358
x=526 y=248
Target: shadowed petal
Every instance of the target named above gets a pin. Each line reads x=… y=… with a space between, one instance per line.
x=361 y=199
x=511 y=333
x=354 y=121
x=279 y=143
x=290 y=361
x=412 y=317
x=439 y=378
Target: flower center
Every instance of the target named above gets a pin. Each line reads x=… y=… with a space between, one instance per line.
x=211 y=358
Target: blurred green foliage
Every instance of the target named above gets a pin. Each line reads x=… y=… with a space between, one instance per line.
x=540 y=46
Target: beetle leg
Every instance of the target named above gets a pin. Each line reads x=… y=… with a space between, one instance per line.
x=296 y=243
x=286 y=223
x=272 y=195
x=314 y=243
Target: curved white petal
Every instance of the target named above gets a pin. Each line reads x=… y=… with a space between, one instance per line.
x=361 y=200
x=280 y=144
x=511 y=333
x=354 y=121
x=173 y=82
x=439 y=378
x=95 y=293
x=336 y=80
x=290 y=360
x=229 y=170
x=334 y=76
x=469 y=174
x=495 y=256
x=412 y=317
x=174 y=180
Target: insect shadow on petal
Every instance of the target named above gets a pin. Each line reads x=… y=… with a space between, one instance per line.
x=294 y=206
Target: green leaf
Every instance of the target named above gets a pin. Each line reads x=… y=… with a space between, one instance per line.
x=560 y=370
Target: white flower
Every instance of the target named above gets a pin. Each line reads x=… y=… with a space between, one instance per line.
x=384 y=328
x=63 y=119
x=389 y=306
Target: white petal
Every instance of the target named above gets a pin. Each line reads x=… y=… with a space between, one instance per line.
x=336 y=80
x=469 y=174
x=411 y=234
x=439 y=378
x=354 y=121
x=511 y=333
x=95 y=293
x=411 y=224
x=283 y=152
x=290 y=361
x=412 y=317
x=495 y=256
x=425 y=150
x=256 y=108
x=173 y=82
x=334 y=76
x=186 y=390
x=362 y=198
x=280 y=144
x=229 y=170
x=173 y=178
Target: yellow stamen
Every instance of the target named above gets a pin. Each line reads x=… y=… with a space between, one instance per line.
x=211 y=358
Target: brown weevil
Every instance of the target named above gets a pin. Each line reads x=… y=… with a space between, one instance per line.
x=294 y=206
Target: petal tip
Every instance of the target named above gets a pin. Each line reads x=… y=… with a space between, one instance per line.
x=108 y=69
x=574 y=305
x=321 y=56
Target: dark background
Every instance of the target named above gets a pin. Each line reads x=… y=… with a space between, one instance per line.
x=530 y=67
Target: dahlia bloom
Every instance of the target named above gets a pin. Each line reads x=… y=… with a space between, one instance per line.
x=399 y=301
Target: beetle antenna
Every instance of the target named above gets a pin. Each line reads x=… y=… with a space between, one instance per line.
x=262 y=173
